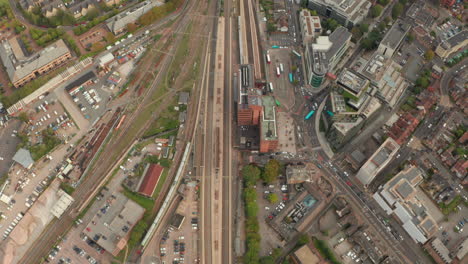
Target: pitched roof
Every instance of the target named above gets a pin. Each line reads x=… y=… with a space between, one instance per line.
x=151 y=179
x=23 y=157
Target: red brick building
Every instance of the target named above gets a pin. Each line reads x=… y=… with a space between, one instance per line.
x=447 y=3
x=248 y=115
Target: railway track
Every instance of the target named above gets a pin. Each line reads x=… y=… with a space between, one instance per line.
x=58 y=227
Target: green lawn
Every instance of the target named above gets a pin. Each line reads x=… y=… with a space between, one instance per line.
x=140 y=229
x=325 y=251
x=161 y=182
x=452 y=206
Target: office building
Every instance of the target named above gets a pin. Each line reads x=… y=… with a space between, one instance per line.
x=377 y=161
x=453 y=44
x=415 y=211
x=393 y=39
x=347 y=12
x=268 y=129
x=322 y=56
x=310 y=26
x=350 y=106
x=22 y=69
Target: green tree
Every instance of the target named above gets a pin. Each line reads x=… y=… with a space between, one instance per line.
x=313 y=12
x=267 y=260
x=410 y=38
x=272 y=170
x=272 y=198
x=303 y=239
x=110 y=38
x=23 y=117
x=381 y=26
x=357 y=33
x=330 y=24
x=383 y=2
x=397 y=10
x=364 y=27
x=372 y=40
x=423 y=82
x=376 y=10
x=429 y=55
x=251 y=174
x=132 y=27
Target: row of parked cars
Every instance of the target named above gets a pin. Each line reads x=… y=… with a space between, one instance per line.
x=12 y=225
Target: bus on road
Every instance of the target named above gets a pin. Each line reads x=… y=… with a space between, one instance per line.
x=270 y=86
x=278 y=73
x=275 y=47
x=291 y=78
x=268 y=58
x=296 y=53
x=309 y=115
x=281 y=67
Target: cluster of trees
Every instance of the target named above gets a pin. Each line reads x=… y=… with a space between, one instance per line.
x=359 y=30
x=372 y=40
x=383 y=2
x=44 y=37
x=49 y=141
x=5 y=10
x=37 y=17
x=159 y=12
x=376 y=10
x=26 y=43
x=397 y=9
x=423 y=81
x=8 y=19
x=429 y=55
x=81 y=29
x=271 y=171
x=251 y=175
x=325 y=251
x=71 y=43
x=329 y=24
x=155 y=160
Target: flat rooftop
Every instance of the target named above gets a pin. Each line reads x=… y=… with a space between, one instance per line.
x=268 y=121
x=456 y=39
x=338 y=37
x=375 y=67
x=350 y=8
x=113 y=222
x=353 y=82
x=396 y=34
